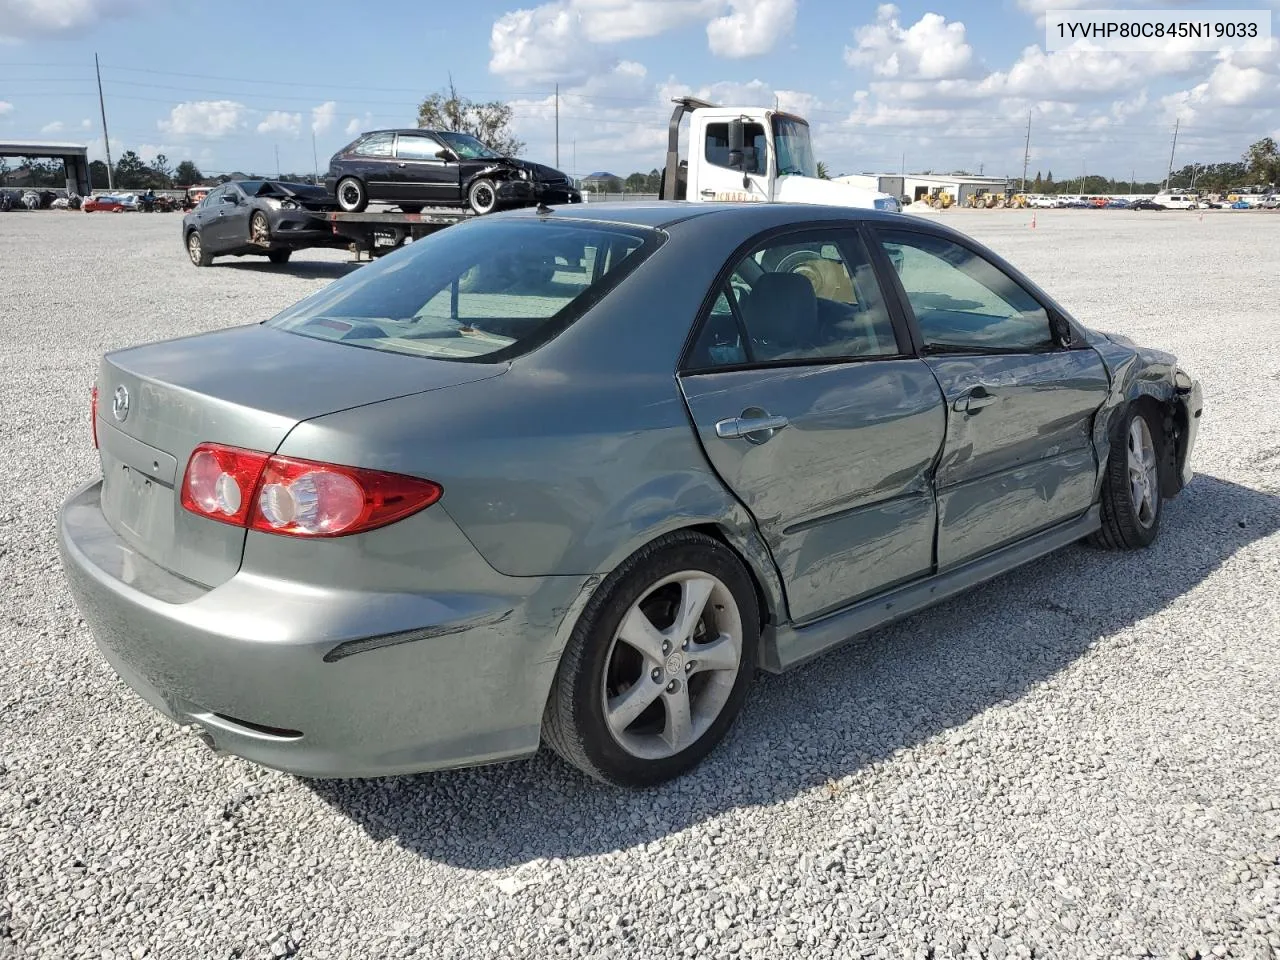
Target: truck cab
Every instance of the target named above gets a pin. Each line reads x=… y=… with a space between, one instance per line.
x=752 y=155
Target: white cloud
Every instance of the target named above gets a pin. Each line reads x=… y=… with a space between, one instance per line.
x=751 y=28
x=323 y=117
x=57 y=126
x=204 y=118
x=357 y=125
x=22 y=19
x=930 y=49
x=5 y=107
x=566 y=40
x=280 y=122
x=86 y=124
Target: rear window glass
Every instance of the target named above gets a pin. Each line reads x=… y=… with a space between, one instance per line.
x=485 y=290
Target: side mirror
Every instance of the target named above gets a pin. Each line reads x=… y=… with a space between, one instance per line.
x=737 y=137
x=230 y=198
x=444 y=154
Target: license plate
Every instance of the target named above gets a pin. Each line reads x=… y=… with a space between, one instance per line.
x=133 y=501
x=382 y=240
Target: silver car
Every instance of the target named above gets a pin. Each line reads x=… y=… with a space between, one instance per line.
x=571 y=476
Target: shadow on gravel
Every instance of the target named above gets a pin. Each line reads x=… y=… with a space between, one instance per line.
x=851 y=708
x=304 y=269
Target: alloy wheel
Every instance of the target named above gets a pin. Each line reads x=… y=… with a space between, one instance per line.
x=1144 y=479
x=672 y=665
x=193 y=247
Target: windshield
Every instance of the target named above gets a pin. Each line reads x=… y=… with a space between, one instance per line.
x=795 y=150
x=467 y=147
x=480 y=291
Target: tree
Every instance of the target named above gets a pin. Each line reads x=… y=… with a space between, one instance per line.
x=131 y=172
x=1038 y=185
x=637 y=183
x=1263 y=160
x=187 y=173
x=490 y=123
x=161 y=173
x=822 y=171
x=98 y=175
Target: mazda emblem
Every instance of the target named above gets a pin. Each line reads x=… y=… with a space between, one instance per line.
x=120 y=403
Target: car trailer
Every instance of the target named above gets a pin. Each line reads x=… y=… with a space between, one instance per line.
x=375 y=234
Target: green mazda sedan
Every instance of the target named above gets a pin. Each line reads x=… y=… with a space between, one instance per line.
x=572 y=475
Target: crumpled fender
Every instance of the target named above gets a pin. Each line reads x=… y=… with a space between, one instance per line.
x=501 y=170
x=1138 y=372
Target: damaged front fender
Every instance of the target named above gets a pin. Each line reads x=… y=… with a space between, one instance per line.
x=1142 y=374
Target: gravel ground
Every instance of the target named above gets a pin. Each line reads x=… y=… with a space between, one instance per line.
x=1077 y=761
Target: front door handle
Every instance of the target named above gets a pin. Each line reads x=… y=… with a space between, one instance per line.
x=401 y=165
x=973 y=401
x=707 y=192
x=755 y=429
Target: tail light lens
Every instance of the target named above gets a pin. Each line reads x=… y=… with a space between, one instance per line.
x=93 y=413
x=298 y=498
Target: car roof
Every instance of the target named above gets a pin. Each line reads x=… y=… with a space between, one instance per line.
x=667 y=213
x=406 y=130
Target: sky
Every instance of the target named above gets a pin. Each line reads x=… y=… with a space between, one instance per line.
x=942 y=85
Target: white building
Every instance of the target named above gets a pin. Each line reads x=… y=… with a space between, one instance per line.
x=915 y=186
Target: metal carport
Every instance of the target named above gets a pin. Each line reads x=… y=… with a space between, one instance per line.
x=75 y=156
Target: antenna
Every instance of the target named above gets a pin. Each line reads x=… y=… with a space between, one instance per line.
x=106 y=140
x=557 y=126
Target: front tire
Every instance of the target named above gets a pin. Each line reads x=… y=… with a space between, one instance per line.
x=482 y=196
x=196 y=251
x=411 y=208
x=658 y=665
x=259 y=229
x=352 y=197
x=1131 y=498
x=279 y=256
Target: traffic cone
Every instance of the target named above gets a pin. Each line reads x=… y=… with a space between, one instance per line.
x=1033 y=221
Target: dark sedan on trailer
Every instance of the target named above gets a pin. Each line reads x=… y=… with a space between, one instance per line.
x=568 y=476
x=438 y=168
x=269 y=218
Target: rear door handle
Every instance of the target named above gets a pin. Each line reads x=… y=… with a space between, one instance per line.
x=973 y=401
x=400 y=165
x=745 y=428
x=707 y=193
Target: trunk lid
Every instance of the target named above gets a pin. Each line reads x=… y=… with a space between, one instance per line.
x=246 y=387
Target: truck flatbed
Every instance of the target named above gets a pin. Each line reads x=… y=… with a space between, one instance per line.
x=375 y=233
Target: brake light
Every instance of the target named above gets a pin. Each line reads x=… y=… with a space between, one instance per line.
x=299 y=498
x=93 y=414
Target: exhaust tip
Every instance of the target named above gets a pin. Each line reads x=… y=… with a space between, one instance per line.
x=207 y=740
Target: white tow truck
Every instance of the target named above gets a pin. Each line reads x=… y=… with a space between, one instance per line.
x=752 y=155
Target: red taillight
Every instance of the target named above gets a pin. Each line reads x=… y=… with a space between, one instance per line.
x=93 y=413
x=220 y=482
x=299 y=498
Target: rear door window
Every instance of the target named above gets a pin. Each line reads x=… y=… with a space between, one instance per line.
x=411 y=147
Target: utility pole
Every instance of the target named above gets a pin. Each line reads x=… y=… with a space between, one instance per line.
x=277 y=161
x=1026 y=153
x=557 y=126
x=315 y=161
x=1177 y=120
x=106 y=140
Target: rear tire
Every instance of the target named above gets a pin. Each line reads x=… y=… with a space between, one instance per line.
x=351 y=194
x=1131 y=498
x=636 y=717
x=279 y=256
x=196 y=251
x=411 y=207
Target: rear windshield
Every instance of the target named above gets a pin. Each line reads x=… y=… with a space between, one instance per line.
x=485 y=290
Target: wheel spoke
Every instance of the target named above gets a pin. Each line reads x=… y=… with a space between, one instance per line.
x=693 y=600
x=720 y=654
x=678 y=730
x=622 y=710
x=638 y=631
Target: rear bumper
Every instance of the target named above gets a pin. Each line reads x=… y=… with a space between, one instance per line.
x=289 y=676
